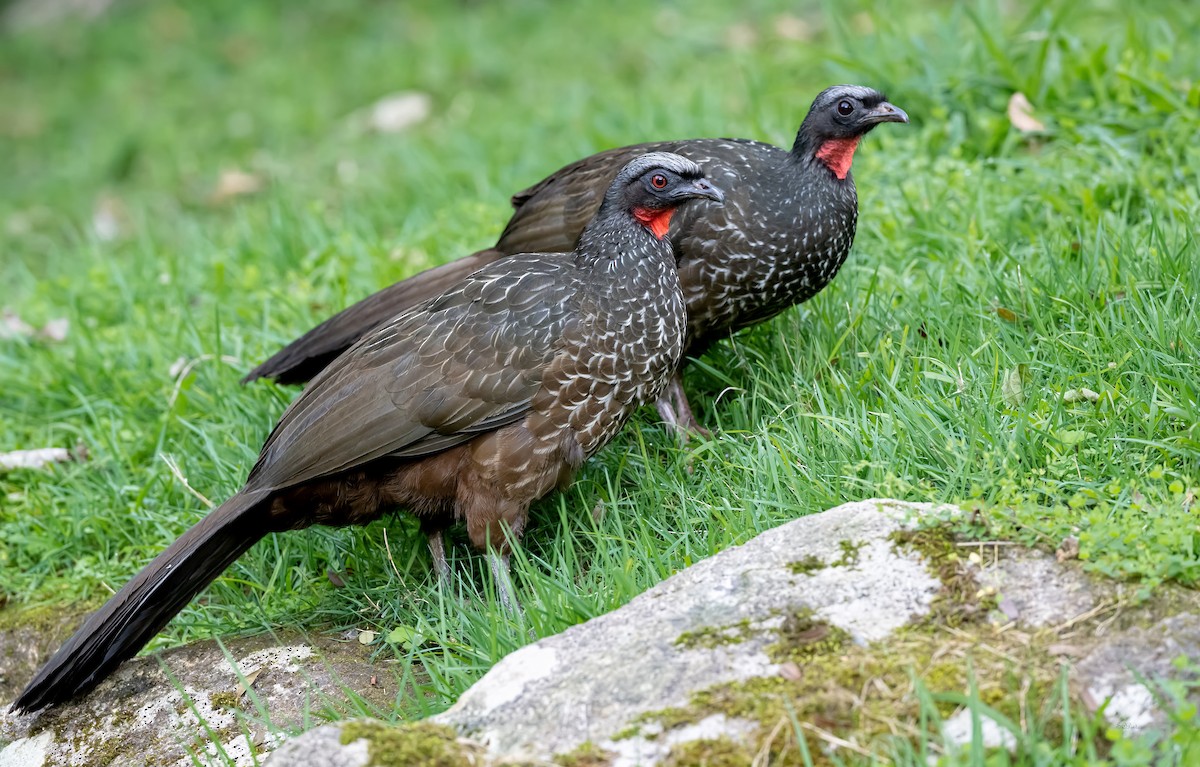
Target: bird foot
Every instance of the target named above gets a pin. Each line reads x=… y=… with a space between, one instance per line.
x=675 y=410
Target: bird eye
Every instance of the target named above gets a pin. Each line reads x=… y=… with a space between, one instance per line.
x=845 y=107
x=658 y=181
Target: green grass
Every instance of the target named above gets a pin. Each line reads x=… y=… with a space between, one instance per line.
x=992 y=274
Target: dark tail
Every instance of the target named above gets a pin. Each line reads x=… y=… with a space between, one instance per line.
x=308 y=355
x=138 y=611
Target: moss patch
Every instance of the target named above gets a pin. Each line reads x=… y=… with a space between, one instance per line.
x=716 y=636
x=961 y=601
x=849 y=555
x=803 y=637
x=807 y=566
x=632 y=731
x=105 y=752
x=588 y=754
x=720 y=752
x=224 y=699
x=47 y=620
x=865 y=695
x=419 y=744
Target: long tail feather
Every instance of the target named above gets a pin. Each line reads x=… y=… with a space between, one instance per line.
x=143 y=606
x=308 y=355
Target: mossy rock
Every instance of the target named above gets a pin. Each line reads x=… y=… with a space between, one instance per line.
x=419 y=744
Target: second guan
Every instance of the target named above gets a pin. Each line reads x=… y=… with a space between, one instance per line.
x=783 y=233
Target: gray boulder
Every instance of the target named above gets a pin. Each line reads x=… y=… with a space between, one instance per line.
x=809 y=636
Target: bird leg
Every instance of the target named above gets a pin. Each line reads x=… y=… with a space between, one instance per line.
x=498 y=563
x=437 y=549
x=673 y=407
x=503 y=578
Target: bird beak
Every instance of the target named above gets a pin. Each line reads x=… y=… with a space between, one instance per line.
x=699 y=188
x=884 y=113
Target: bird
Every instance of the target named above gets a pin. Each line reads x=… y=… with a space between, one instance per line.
x=781 y=236
x=465 y=408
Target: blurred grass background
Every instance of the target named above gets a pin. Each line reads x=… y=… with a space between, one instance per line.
x=997 y=274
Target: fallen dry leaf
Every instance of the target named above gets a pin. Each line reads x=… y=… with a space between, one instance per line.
x=1075 y=395
x=863 y=23
x=741 y=36
x=38 y=458
x=1020 y=114
x=394 y=113
x=55 y=330
x=1068 y=549
x=794 y=28
x=791 y=671
x=108 y=217
x=235 y=183
x=1012 y=387
x=335 y=578
x=12 y=326
x=1008 y=315
x=245 y=684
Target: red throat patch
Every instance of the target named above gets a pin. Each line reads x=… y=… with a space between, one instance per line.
x=838 y=153
x=657 y=221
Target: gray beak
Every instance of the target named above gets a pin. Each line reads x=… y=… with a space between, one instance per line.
x=700 y=188
x=884 y=113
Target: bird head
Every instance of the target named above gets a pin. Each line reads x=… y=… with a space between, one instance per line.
x=650 y=187
x=838 y=119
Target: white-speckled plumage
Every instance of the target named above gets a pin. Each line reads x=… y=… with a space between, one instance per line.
x=784 y=231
